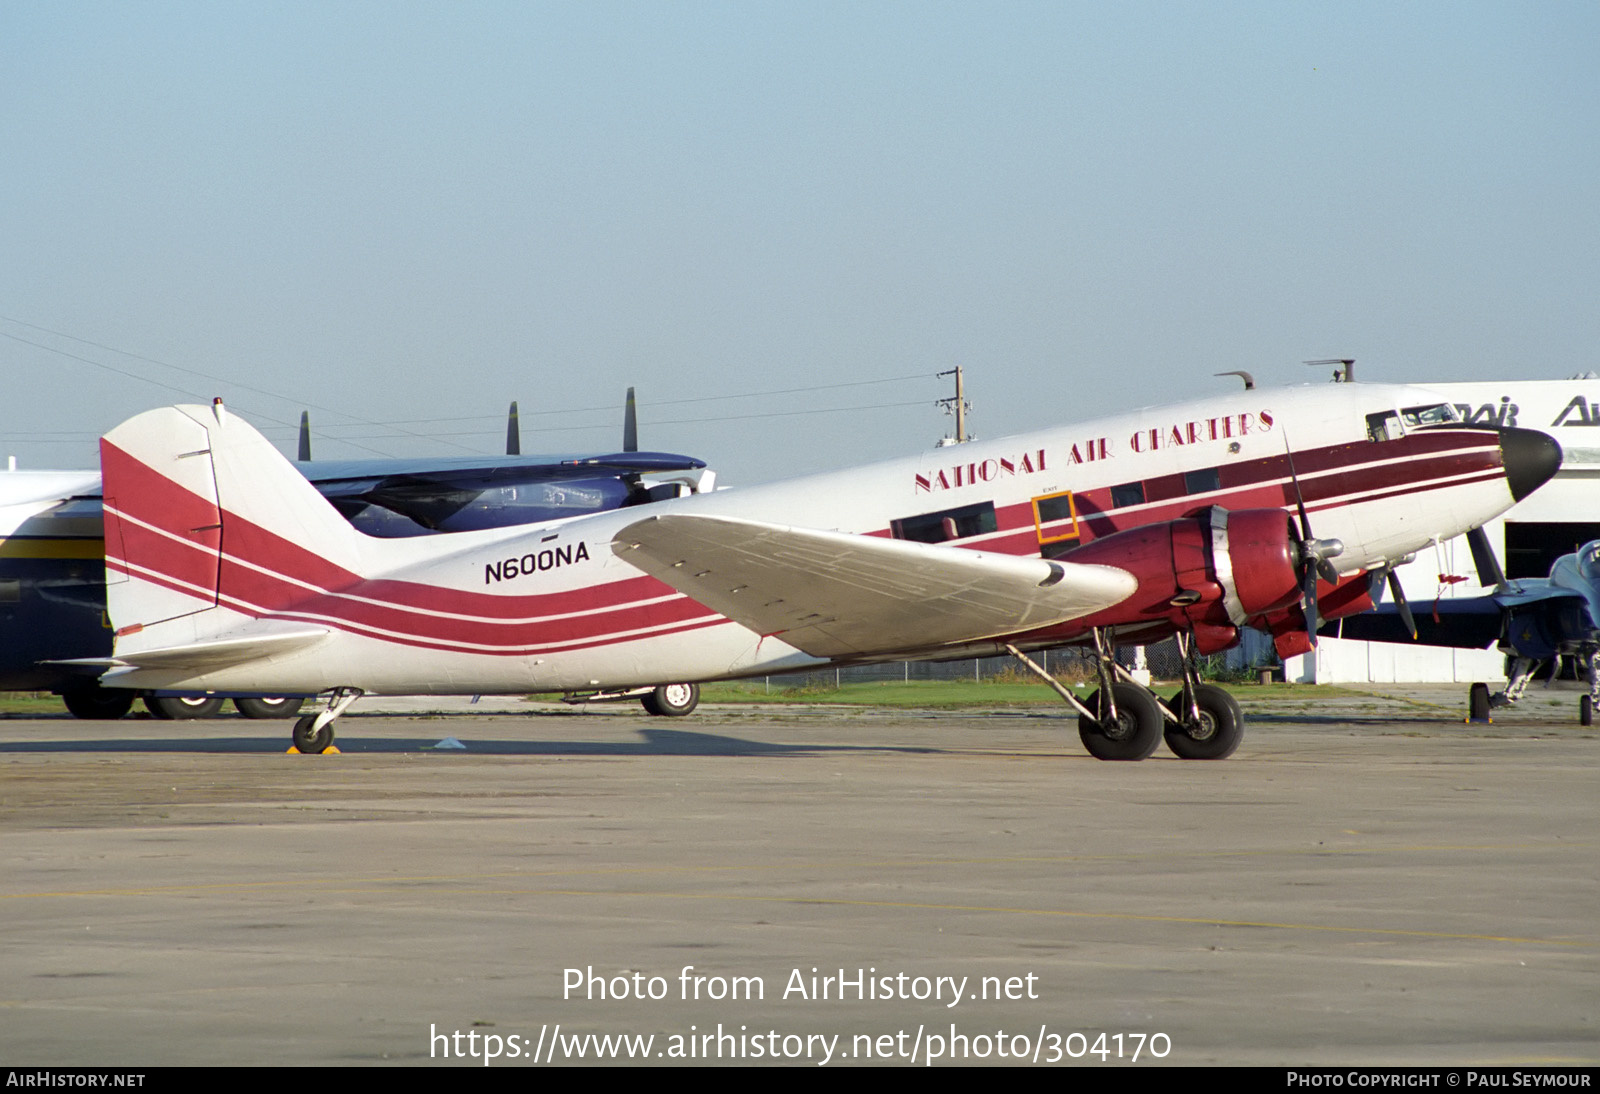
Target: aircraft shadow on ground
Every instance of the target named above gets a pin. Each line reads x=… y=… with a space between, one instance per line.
x=649 y=742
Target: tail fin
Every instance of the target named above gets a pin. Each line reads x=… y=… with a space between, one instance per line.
x=208 y=526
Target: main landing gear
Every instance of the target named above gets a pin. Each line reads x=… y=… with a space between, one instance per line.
x=1480 y=703
x=1123 y=720
x=90 y=700
x=671 y=700
x=666 y=701
x=313 y=734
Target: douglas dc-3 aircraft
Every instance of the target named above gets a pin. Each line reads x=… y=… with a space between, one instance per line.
x=227 y=570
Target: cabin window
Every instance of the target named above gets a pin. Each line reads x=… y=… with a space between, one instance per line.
x=1202 y=482
x=1129 y=493
x=1055 y=517
x=946 y=524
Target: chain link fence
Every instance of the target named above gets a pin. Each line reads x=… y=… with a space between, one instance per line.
x=1162 y=659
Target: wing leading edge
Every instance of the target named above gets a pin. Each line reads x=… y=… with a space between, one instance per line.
x=834 y=594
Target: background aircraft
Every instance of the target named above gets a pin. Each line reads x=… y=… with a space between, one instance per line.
x=52 y=556
x=234 y=573
x=1535 y=621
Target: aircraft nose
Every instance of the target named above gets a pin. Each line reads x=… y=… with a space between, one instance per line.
x=1531 y=458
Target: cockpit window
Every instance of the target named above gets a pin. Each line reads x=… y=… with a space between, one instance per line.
x=1386 y=425
x=1418 y=417
x=1589 y=560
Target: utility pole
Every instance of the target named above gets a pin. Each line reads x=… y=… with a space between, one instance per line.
x=958 y=406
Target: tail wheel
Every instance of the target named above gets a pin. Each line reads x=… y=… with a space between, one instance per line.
x=98 y=703
x=1132 y=735
x=183 y=706
x=1216 y=734
x=672 y=700
x=268 y=707
x=1478 y=703
x=311 y=741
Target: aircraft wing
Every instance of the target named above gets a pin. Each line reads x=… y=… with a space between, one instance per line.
x=459 y=494
x=833 y=594
x=478 y=472
x=1535 y=618
x=1469 y=623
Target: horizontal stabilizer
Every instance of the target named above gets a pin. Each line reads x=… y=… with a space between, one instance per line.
x=214 y=653
x=833 y=594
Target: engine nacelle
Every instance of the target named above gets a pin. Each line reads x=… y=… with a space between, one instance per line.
x=1351 y=596
x=1211 y=572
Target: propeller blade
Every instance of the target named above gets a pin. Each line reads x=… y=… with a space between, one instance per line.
x=1308 y=604
x=1484 y=560
x=1398 y=595
x=630 y=425
x=513 y=432
x=1314 y=554
x=1299 y=499
x=305 y=437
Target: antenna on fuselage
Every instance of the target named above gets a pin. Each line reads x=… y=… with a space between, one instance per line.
x=304 y=455
x=630 y=424
x=1249 y=380
x=1345 y=374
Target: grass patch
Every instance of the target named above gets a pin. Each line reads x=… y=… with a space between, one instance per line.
x=924 y=694
x=31 y=703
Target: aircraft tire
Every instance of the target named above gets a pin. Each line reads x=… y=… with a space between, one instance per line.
x=312 y=744
x=268 y=707
x=95 y=702
x=1586 y=711
x=1135 y=734
x=672 y=700
x=1478 y=703
x=1220 y=730
x=179 y=707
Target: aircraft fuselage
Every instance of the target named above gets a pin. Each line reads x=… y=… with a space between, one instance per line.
x=553 y=607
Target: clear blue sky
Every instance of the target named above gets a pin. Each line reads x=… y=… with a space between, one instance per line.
x=409 y=214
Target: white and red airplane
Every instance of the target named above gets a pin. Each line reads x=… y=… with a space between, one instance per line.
x=226 y=570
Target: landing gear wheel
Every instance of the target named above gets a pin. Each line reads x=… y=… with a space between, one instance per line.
x=1219 y=731
x=1586 y=710
x=672 y=700
x=312 y=744
x=183 y=706
x=269 y=708
x=1478 y=703
x=98 y=703
x=1133 y=735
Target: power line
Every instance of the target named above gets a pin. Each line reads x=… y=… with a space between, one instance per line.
x=399 y=426
x=672 y=421
x=177 y=368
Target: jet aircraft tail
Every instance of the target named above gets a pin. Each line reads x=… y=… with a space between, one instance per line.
x=204 y=520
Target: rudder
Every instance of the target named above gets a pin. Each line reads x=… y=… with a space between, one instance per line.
x=207 y=522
